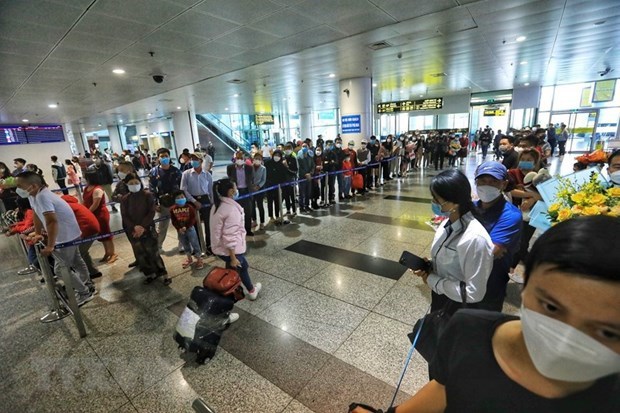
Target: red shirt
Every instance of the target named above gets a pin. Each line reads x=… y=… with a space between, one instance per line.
x=24 y=224
x=183 y=216
x=346 y=166
x=89 y=225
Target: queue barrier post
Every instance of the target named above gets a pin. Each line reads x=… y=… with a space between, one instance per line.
x=59 y=310
x=78 y=190
x=200 y=406
x=201 y=233
x=281 y=208
x=66 y=278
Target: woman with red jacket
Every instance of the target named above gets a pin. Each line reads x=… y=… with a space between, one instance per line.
x=95 y=200
x=24 y=228
x=89 y=225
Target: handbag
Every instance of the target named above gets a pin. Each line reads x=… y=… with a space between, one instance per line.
x=224 y=281
x=434 y=325
x=357 y=181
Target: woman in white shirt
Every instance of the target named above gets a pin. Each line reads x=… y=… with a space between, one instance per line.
x=462 y=251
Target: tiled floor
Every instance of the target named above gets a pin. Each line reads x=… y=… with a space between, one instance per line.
x=321 y=335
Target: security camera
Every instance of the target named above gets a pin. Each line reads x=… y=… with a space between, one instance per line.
x=399 y=55
x=346 y=91
x=158 y=78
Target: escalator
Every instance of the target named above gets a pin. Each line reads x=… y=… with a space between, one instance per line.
x=211 y=130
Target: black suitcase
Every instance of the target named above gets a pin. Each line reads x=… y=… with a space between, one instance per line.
x=202 y=323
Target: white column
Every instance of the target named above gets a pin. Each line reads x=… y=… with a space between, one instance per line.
x=305 y=122
x=185 y=130
x=355 y=97
x=116 y=144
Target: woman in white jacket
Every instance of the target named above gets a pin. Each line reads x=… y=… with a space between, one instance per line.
x=228 y=234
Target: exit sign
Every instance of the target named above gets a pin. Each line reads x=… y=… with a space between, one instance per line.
x=490 y=100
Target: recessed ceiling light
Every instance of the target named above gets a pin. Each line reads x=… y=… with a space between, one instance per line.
x=402 y=91
x=225 y=108
x=118 y=71
x=24 y=120
x=374 y=85
x=283 y=98
x=332 y=75
x=99 y=124
x=236 y=95
x=149 y=114
x=523 y=62
x=120 y=121
x=421 y=96
x=178 y=107
x=53 y=105
x=521 y=38
x=526 y=84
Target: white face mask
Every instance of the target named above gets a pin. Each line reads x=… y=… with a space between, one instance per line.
x=239 y=162
x=276 y=158
x=287 y=152
x=488 y=193
x=338 y=145
x=22 y=192
x=122 y=175
x=134 y=188
x=561 y=352
x=318 y=153
x=615 y=177
x=257 y=163
x=518 y=149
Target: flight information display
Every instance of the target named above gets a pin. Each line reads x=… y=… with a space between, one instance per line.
x=410 y=105
x=19 y=134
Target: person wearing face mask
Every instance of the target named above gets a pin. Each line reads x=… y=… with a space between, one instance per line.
x=330 y=166
x=183 y=217
x=266 y=150
x=20 y=166
x=138 y=212
x=288 y=191
x=503 y=222
x=340 y=155
x=104 y=177
x=164 y=180
x=613 y=168
x=260 y=178
x=462 y=251
x=198 y=187
x=363 y=159
x=551 y=137
x=319 y=183
x=562 y=139
x=385 y=152
x=529 y=160
x=305 y=165
x=373 y=147
x=54 y=216
x=277 y=174
x=561 y=355
x=228 y=235
x=242 y=175
x=510 y=157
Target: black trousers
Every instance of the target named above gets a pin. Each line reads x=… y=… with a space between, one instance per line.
x=246 y=204
x=273 y=203
x=438 y=158
x=562 y=147
x=147 y=255
x=61 y=183
x=288 y=193
x=257 y=203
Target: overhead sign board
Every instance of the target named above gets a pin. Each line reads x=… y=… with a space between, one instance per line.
x=351 y=124
x=264 y=119
x=410 y=105
x=604 y=90
x=495 y=112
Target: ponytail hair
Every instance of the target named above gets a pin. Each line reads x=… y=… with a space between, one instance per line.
x=220 y=190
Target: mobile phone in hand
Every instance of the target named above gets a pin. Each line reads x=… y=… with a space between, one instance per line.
x=414 y=262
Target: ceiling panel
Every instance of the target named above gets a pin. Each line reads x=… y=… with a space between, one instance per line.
x=101 y=25
x=199 y=24
x=402 y=10
x=247 y=37
x=155 y=12
x=218 y=49
x=238 y=11
x=284 y=23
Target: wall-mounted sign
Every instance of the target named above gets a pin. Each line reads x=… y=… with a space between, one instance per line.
x=17 y=134
x=586 y=94
x=495 y=112
x=410 y=105
x=351 y=123
x=604 y=90
x=264 y=119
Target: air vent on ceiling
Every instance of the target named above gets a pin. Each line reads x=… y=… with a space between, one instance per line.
x=379 y=45
x=442 y=74
x=165 y=100
x=325 y=92
x=235 y=81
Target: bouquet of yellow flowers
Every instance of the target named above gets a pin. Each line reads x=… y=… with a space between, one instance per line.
x=590 y=198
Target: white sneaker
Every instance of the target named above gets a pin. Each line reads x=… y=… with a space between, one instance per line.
x=31 y=269
x=232 y=317
x=516 y=277
x=254 y=294
x=261 y=227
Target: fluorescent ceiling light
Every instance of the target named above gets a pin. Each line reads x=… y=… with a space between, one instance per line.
x=521 y=38
x=526 y=84
x=24 y=120
x=523 y=62
x=118 y=71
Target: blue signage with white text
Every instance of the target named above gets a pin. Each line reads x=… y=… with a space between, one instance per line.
x=351 y=123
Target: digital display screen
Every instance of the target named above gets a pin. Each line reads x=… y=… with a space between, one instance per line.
x=410 y=105
x=18 y=134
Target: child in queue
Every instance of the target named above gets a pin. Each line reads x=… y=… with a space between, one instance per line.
x=183 y=217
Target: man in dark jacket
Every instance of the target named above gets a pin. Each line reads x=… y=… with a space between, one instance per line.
x=242 y=175
x=277 y=173
x=305 y=164
x=510 y=156
x=164 y=181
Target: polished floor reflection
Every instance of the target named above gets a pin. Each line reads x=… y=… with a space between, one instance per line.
x=328 y=328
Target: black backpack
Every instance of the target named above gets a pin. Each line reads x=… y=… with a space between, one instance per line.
x=62 y=172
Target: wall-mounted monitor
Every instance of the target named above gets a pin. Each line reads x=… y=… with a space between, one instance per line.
x=24 y=134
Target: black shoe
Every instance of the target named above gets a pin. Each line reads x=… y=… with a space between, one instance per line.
x=249 y=233
x=133 y=264
x=96 y=275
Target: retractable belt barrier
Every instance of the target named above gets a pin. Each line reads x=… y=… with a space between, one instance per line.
x=250 y=195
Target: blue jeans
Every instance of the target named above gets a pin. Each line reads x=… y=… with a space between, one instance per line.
x=347 y=185
x=189 y=241
x=243 y=270
x=32 y=257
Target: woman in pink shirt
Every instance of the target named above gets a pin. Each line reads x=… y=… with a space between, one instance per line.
x=228 y=234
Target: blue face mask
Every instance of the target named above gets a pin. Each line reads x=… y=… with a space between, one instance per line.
x=164 y=161
x=236 y=195
x=196 y=164
x=180 y=201
x=528 y=165
x=437 y=210
x=304 y=150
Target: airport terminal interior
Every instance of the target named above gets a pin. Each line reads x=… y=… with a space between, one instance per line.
x=121 y=79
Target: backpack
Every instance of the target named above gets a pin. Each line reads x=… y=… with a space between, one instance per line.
x=62 y=172
x=224 y=281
